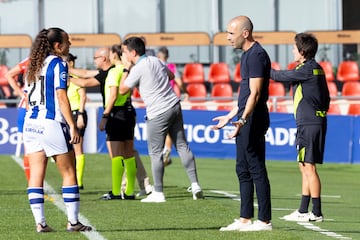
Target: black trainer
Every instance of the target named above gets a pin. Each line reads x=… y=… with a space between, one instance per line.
x=128 y=197
x=111 y=196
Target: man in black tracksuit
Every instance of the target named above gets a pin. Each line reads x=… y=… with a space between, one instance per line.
x=311 y=103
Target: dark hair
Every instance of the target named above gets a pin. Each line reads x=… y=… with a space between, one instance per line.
x=164 y=51
x=71 y=58
x=307 y=44
x=116 y=48
x=135 y=43
x=43 y=46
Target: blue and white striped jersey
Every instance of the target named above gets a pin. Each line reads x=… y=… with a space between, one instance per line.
x=42 y=100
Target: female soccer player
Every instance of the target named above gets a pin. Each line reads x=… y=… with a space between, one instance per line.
x=49 y=130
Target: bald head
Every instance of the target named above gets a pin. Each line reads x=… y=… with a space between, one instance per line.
x=239 y=31
x=241 y=23
x=103 y=51
x=102 y=58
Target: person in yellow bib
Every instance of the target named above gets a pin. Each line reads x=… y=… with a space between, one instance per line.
x=77 y=99
x=118 y=119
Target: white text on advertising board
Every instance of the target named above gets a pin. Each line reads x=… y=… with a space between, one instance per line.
x=205 y=134
x=7 y=135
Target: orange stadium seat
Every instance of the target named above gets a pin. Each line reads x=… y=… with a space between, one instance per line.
x=197 y=90
x=333 y=91
x=225 y=91
x=219 y=73
x=354 y=109
x=351 y=89
x=334 y=109
x=276 y=89
x=275 y=65
x=237 y=73
x=3 y=70
x=328 y=69
x=348 y=71
x=193 y=73
x=292 y=65
x=136 y=93
x=281 y=108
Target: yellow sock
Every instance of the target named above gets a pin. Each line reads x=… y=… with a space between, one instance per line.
x=80 y=166
x=130 y=168
x=117 y=171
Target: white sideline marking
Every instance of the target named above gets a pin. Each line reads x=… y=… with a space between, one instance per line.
x=322 y=231
x=305 y=225
x=57 y=200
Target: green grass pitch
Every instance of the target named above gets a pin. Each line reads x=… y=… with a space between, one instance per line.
x=181 y=217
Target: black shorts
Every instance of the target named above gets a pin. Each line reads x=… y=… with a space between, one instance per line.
x=310 y=143
x=121 y=123
x=75 y=115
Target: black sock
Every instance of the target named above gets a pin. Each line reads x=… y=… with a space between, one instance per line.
x=316 y=206
x=304 y=205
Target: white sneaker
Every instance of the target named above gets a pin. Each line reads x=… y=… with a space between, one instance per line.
x=296 y=216
x=257 y=226
x=196 y=191
x=154 y=197
x=235 y=226
x=313 y=218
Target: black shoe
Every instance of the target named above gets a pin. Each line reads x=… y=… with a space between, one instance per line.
x=110 y=196
x=77 y=227
x=128 y=197
x=41 y=229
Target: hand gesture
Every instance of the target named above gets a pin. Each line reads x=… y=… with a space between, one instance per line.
x=127 y=64
x=223 y=120
x=238 y=126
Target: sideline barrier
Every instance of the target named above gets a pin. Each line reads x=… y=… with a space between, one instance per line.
x=174 y=39
x=342 y=144
x=94 y=40
x=15 y=41
x=186 y=38
x=183 y=39
x=337 y=37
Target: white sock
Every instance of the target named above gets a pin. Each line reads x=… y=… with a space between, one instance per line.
x=36 y=200
x=71 y=198
x=195 y=185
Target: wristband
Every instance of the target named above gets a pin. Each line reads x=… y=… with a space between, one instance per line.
x=80 y=113
x=105 y=116
x=126 y=70
x=242 y=121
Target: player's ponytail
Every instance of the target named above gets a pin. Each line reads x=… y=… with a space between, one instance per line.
x=41 y=48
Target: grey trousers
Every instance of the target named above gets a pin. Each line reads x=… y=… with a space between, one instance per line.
x=157 y=128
